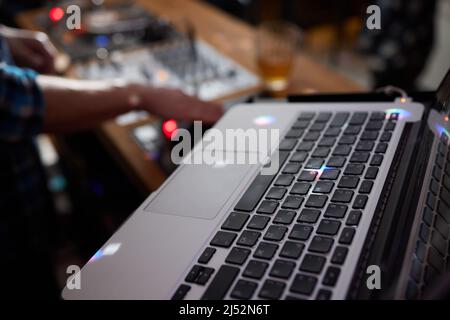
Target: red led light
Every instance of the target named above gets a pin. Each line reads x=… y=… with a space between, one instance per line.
x=169 y=127
x=56 y=14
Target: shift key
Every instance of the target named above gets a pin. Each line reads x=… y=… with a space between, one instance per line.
x=221 y=283
x=258 y=187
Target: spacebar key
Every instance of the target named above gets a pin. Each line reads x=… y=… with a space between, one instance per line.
x=221 y=283
x=258 y=187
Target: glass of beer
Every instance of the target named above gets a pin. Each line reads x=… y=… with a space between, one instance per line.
x=276 y=45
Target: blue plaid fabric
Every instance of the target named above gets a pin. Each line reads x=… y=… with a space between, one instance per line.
x=24 y=200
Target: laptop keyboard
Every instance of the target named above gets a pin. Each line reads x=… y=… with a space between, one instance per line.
x=290 y=232
x=432 y=253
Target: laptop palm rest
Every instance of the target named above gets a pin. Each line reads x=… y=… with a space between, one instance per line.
x=190 y=192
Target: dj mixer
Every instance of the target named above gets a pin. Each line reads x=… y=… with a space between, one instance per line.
x=209 y=75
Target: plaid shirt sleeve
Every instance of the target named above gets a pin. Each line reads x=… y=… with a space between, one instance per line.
x=21 y=100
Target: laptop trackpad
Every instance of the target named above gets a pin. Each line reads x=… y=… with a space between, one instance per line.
x=200 y=191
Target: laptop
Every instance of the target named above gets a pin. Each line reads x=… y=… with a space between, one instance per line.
x=352 y=201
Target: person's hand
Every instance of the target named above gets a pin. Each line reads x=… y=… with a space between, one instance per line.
x=172 y=103
x=31 y=49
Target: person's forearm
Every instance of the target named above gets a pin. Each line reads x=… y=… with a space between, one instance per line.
x=79 y=104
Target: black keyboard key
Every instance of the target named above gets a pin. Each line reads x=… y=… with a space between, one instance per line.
x=258 y=222
x=353 y=217
x=442 y=227
x=378 y=116
x=265 y=250
x=376 y=160
x=327 y=142
x=331 y=276
x=267 y=207
x=314 y=163
x=255 y=269
x=300 y=232
x=436 y=260
x=311 y=136
x=312 y=263
x=337 y=211
x=257 y=188
x=282 y=269
x=342 y=150
x=221 y=283
x=381 y=147
x=206 y=255
x=248 y=238
x=321 y=244
x=323 y=117
x=390 y=126
x=386 y=136
x=275 y=233
x=421 y=250
x=292 y=250
x=347 y=236
x=424 y=233
x=369 y=135
x=371 y=173
x=360 y=201
x=358 y=118
x=284 y=217
x=199 y=275
x=316 y=201
x=330 y=174
x=276 y=193
x=244 y=290
x=323 y=187
x=360 y=157
x=437 y=173
x=301 y=188
x=348 y=182
x=317 y=126
x=298 y=156
x=284 y=180
x=342 y=195
x=301 y=124
x=292 y=202
x=374 y=125
x=354 y=169
x=336 y=162
x=303 y=284
x=292 y=168
x=287 y=144
x=431 y=200
x=321 y=152
x=366 y=187
x=295 y=133
x=352 y=130
x=306 y=116
x=272 y=289
x=235 y=221
x=332 y=132
x=181 y=292
x=365 y=145
x=444 y=211
x=323 y=295
x=339 y=255
x=309 y=215
x=427 y=216
x=339 y=119
x=328 y=227
x=439 y=243
x=345 y=140
x=307 y=175
x=223 y=239
x=305 y=146
x=237 y=256
x=434 y=187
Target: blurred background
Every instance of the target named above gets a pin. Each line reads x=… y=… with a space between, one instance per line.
x=93 y=194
